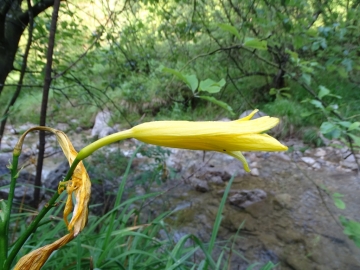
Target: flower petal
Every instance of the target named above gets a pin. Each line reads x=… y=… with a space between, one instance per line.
x=238 y=155
x=36 y=259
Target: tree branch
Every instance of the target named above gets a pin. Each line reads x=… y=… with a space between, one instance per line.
x=44 y=102
x=22 y=73
x=4 y=8
x=36 y=10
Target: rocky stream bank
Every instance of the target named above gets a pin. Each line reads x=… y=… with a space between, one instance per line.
x=278 y=212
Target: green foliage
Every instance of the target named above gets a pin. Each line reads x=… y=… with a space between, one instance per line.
x=312 y=136
x=158 y=171
x=197 y=87
x=339 y=203
x=351 y=229
x=288 y=111
x=335 y=127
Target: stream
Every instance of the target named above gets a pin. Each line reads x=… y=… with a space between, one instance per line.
x=279 y=212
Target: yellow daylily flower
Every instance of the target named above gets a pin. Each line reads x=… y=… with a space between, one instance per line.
x=79 y=185
x=226 y=137
x=36 y=259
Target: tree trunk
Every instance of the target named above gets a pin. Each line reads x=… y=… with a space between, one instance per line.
x=22 y=74
x=47 y=83
x=13 y=22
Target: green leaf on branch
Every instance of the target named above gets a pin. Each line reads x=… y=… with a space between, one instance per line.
x=339 y=203
x=219 y=103
x=256 y=43
x=174 y=72
x=327 y=127
x=354 y=125
x=317 y=103
x=231 y=29
x=351 y=229
x=306 y=78
x=211 y=86
x=345 y=124
x=355 y=138
x=323 y=92
x=342 y=72
x=192 y=82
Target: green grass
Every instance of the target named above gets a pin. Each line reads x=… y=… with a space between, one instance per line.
x=122 y=239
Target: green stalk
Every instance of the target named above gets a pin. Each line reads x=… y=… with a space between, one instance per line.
x=89 y=149
x=4 y=225
x=22 y=239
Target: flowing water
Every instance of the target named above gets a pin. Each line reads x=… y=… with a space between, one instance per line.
x=296 y=225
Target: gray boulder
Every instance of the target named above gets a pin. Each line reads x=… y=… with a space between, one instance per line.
x=101 y=127
x=245 y=198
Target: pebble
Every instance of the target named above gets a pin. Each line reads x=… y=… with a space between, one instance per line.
x=316 y=166
x=255 y=172
x=308 y=160
x=320 y=152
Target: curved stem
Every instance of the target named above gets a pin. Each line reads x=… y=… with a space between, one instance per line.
x=91 y=148
x=22 y=239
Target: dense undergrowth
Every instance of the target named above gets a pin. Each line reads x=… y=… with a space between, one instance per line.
x=296 y=60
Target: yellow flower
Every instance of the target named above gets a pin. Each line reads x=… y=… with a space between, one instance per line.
x=36 y=259
x=79 y=185
x=226 y=137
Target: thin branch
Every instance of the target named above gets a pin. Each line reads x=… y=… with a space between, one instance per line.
x=36 y=10
x=44 y=102
x=58 y=75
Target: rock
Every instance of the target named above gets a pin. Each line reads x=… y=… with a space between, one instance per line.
x=316 y=166
x=207 y=172
x=350 y=158
x=101 y=124
x=349 y=165
x=8 y=143
x=5 y=158
x=78 y=129
x=257 y=115
x=225 y=119
x=217 y=180
x=281 y=156
x=200 y=185
x=245 y=198
x=24 y=127
x=299 y=263
x=52 y=180
x=320 y=152
x=297 y=155
x=62 y=127
x=282 y=201
x=255 y=172
x=105 y=132
x=308 y=160
x=254 y=164
x=24 y=190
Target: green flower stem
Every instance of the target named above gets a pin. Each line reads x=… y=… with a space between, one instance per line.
x=22 y=239
x=84 y=153
x=4 y=225
x=91 y=148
